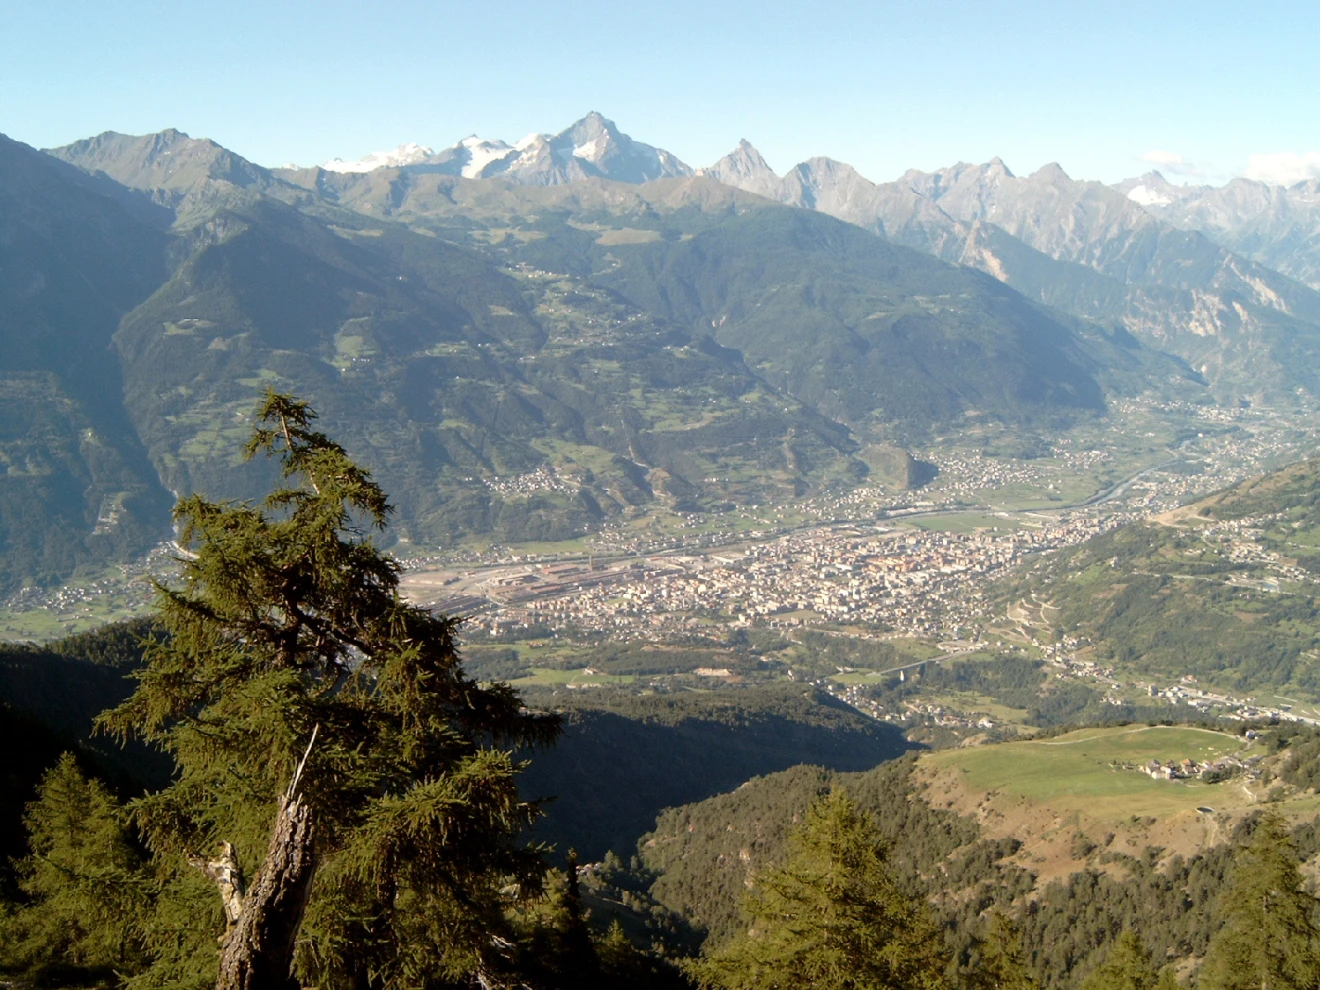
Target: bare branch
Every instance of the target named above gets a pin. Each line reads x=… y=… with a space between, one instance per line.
x=297 y=775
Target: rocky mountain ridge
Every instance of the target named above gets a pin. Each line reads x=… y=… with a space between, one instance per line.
x=1227 y=278
x=1094 y=251
x=1276 y=226
x=593 y=147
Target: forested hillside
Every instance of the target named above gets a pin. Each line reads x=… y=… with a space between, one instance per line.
x=75 y=480
x=1223 y=590
x=623 y=760
x=703 y=857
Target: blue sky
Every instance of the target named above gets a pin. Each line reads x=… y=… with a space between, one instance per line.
x=1203 y=87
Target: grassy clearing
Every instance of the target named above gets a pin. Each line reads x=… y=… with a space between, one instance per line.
x=627 y=235
x=1076 y=772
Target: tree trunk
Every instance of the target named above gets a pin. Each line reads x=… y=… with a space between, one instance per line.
x=258 y=951
x=225 y=871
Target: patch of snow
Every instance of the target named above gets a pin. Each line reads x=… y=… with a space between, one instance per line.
x=588 y=151
x=405 y=154
x=482 y=153
x=1146 y=196
x=529 y=141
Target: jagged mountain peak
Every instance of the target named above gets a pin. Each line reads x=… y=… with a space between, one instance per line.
x=1052 y=172
x=596 y=147
x=745 y=168
x=591 y=139
x=746 y=152
x=594 y=125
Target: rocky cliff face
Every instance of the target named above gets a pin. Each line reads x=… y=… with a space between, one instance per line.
x=1276 y=226
x=1095 y=251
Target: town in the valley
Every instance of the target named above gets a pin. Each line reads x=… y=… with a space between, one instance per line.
x=867 y=563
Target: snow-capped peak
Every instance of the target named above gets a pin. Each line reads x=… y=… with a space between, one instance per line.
x=482 y=152
x=405 y=154
x=1151 y=189
x=592 y=147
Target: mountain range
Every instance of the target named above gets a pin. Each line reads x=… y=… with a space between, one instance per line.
x=1276 y=226
x=1225 y=278
x=592 y=148
x=526 y=341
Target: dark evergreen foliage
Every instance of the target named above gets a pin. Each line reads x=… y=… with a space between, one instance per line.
x=1128 y=966
x=287 y=648
x=1268 y=937
x=832 y=917
x=83 y=883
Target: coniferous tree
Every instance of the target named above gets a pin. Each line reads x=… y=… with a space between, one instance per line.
x=1268 y=938
x=87 y=894
x=1002 y=962
x=556 y=943
x=1127 y=966
x=343 y=790
x=831 y=917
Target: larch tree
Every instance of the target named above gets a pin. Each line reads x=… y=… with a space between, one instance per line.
x=1001 y=962
x=1268 y=938
x=343 y=792
x=832 y=918
x=1128 y=966
x=83 y=881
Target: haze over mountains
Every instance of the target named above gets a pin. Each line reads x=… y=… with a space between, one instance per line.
x=1277 y=226
x=1194 y=268
x=529 y=340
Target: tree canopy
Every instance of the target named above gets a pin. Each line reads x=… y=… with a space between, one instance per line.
x=831 y=917
x=1268 y=938
x=344 y=809
x=1128 y=966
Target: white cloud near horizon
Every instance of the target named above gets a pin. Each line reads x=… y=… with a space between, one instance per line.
x=1175 y=164
x=1285 y=168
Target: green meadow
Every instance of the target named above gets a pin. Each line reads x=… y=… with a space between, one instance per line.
x=1083 y=771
